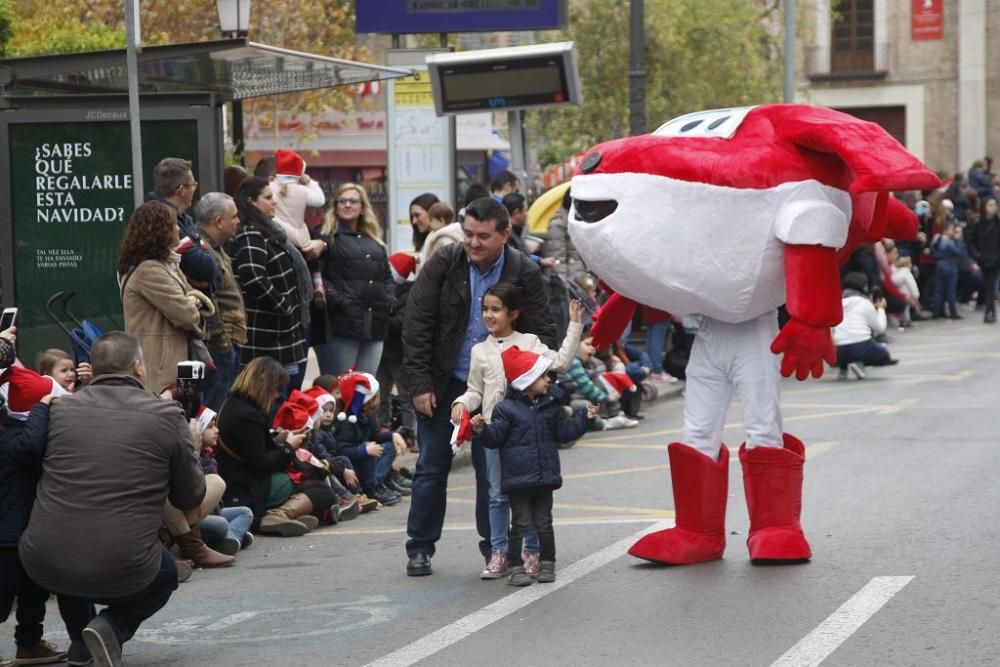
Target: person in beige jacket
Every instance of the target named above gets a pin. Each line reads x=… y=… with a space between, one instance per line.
x=443 y=232
x=161 y=309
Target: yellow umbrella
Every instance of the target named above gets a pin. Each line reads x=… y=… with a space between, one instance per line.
x=545 y=207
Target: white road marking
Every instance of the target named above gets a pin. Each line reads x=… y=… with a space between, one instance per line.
x=477 y=620
x=817 y=646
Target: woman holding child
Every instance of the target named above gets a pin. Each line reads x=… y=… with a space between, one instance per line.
x=161 y=309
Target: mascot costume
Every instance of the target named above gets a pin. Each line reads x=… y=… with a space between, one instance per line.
x=729 y=214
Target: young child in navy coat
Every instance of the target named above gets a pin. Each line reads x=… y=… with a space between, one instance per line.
x=527 y=427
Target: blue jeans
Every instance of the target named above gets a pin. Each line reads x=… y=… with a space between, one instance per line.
x=372 y=470
x=869 y=352
x=231 y=522
x=226 y=364
x=430 y=479
x=656 y=335
x=500 y=508
x=342 y=354
x=945 y=288
x=127 y=613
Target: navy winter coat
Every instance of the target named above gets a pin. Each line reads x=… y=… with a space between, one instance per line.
x=22 y=446
x=352 y=438
x=527 y=432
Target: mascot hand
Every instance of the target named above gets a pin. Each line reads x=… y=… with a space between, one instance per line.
x=611 y=319
x=805 y=347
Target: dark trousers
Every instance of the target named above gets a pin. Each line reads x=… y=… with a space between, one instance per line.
x=430 y=479
x=226 y=368
x=482 y=499
x=531 y=508
x=387 y=376
x=869 y=352
x=945 y=288
x=125 y=614
x=989 y=290
x=31 y=598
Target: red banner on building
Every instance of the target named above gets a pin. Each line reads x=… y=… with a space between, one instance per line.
x=927 y=20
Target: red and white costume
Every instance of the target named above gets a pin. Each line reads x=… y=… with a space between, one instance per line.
x=729 y=214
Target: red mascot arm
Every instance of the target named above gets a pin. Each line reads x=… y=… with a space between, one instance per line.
x=611 y=319
x=812 y=285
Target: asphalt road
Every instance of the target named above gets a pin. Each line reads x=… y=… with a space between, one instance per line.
x=900 y=502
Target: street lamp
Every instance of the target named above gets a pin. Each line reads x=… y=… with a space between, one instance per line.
x=234 y=17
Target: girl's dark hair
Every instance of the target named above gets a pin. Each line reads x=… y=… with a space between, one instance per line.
x=510 y=295
x=424 y=201
x=250 y=215
x=327 y=382
x=147 y=236
x=986 y=200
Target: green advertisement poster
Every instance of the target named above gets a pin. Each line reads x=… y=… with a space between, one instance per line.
x=71 y=196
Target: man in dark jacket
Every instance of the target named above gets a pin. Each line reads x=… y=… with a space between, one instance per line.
x=443 y=322
x=174 y=185
x=85 y=541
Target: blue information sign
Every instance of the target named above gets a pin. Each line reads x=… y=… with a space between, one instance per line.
x=415 y=16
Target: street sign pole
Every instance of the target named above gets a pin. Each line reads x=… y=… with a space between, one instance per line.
x=132 y=48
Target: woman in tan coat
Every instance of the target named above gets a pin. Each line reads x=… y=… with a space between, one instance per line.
x=161 y=309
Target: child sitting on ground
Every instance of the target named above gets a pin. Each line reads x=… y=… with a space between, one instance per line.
x=526 y=427
x=22 y=446
x=226 y=529
x=584 y=374
x=486 y=387
x=59 y=366
x=358 y=437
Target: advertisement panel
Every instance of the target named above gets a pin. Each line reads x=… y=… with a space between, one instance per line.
x=418 y=16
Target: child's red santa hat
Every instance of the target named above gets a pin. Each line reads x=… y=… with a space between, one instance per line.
x=288 y=163
x=23 y=388
x=291 y=417
x=205 y=417
x=462 y=432
x=523 y=367
x=616 y=383
x=321 y=396
x=307 y=403
x=356 y=389
x=402 y=264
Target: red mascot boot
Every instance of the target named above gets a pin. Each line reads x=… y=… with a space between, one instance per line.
x=772 y=481
x=701 y=487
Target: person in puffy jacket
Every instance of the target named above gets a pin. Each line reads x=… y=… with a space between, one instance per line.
x=527 y=427
x=855 y=335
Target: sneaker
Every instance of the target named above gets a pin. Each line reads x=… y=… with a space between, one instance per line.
x=547 y=573
x=532 y=564
x=398 y=478
x=842 y=374
x=347 y=509
x=384 y=496
x=247 y=540
x=393 y=485
x=41 y=653
x=497 y=567
x=858 y=369
x=619 y=421
x=228 y=546
x=79 y=654
x=103 y=643
x=663 y=377
x=519 y=578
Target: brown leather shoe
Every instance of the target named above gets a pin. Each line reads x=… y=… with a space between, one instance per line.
x=41 y=653
x=194 y=549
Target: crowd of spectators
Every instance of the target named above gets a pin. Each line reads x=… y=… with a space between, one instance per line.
x=241 y=282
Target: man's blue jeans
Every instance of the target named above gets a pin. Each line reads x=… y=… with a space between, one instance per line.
x=500 y=508
x=125 y=614
x=430 y=480
x=226 y=368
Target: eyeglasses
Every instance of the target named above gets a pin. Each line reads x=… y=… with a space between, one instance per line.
x=344 y=201
x=189 y=185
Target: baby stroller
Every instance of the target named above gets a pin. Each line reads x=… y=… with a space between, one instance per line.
x=84 y=332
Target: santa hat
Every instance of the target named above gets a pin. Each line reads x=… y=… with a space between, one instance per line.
x=24 y=388
x=291 y=417
x=402 y=264
x=356 y=389
x=462 y=432
x=616 y=383
x=288 y=163
x=522 y=367
x=307 y=403
x=321 y=396
x=205 y=417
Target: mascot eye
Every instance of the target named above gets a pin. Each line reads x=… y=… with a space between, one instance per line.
x=594 y=211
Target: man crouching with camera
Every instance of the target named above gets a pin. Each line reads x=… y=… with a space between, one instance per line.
x=115 y=454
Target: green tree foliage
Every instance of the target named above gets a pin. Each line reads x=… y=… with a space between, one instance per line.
x=6 y=14
x=700 y=54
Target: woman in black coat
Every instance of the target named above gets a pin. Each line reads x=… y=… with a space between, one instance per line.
x=358 y=283
x=252 y=463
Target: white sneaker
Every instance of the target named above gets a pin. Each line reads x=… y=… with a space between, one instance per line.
x=619 y=421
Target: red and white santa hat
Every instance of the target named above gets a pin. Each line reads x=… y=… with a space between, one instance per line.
x=288 y=163
x=291 y=417
x=23 y=388
x=205 y=417
x=403 y=265
x=356 y=389
x=307 y=403
x=523 y=367
x=616 y=383
x=321 y=396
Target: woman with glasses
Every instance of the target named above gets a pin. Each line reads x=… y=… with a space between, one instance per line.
x=358 y=284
